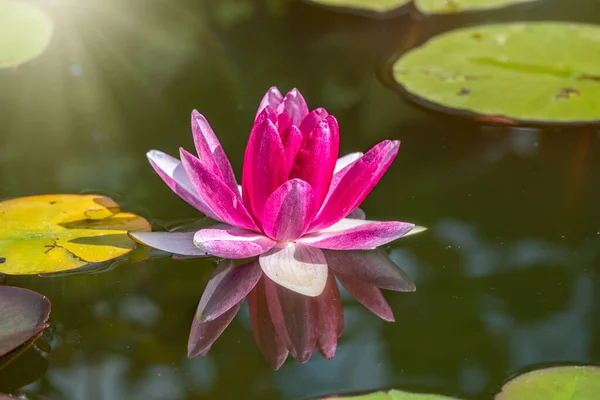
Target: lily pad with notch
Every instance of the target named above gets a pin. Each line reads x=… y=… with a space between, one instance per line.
x=504 y=73
x=52 y=233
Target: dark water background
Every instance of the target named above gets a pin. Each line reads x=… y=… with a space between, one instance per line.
x=508 y=274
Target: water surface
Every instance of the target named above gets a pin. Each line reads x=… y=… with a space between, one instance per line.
x=508 y=274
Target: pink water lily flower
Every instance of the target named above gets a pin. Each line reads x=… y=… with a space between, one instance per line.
x=297 y=215
x=296 y=199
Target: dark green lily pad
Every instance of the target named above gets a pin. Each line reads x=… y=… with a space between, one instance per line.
x=23 y=315
x=506 y=74
x=25 y=32
x=395 y=395
x=457 y=6
x=556 y=383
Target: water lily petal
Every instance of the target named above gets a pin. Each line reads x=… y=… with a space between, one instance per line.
x=171 y=171
x=270 y=344
x=289 y=210
x=295 y=319
x=203 y=335
x=272 y=98
x=264 y=167
x=356 y=234
x=330 y=318
x=352 y=184
x=317 y=157
x=181 y=243
x=210 y=151
x=294 y=105
x=313 y=119
x=370 y=266
x=292 y=141
x=219 y=198
x=346 y=160
x=300 y=268
x=368 y=295
x=358 y=213
x=231 y=242
x=229 y=285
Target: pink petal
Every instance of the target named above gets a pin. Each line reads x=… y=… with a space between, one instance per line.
x=330 y=314
x=358 y=213
x=373 y=267
x=210 y=151
x=299 y=318
x=228 y=286
x=272 y=98
x=300 y=268
x=289 y=210
x=171 y=171
x=317 y=157
x=346 y=160
x=231 y=242
x=264 y=167
x=356 y=234
x=181 y=243
x=292 y=141
x=368 y=295
x=222 y=200
x=284 y=121
x=352 y=184
x=294 y=105
x=313 y=119
x=271 y=345
x=203 y=335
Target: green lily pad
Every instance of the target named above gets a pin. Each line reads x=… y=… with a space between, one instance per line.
x=53 y=233
x=457 y=6
x=556 y=383
x=395 y=395
x=505 y=73
x=23 y=315
x=391 y=8
x=371 y=8
x=25 y=32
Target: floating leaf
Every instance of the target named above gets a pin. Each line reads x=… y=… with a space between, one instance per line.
x=504 y=73
x=23 y=315
x=395 y=395
x=556 y=383
x=456 y=6
x=390 y=8
x=25 y=32
x=51 y=233
x=372 y=8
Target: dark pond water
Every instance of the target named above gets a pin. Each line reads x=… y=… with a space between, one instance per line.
x=508 y=274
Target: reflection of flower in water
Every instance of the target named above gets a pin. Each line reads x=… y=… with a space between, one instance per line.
x=296 y=209
x=286 y=321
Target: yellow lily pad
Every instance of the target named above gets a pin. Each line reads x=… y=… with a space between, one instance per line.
x=52 y=233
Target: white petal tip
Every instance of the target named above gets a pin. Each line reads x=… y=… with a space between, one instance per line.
x=415 y=230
